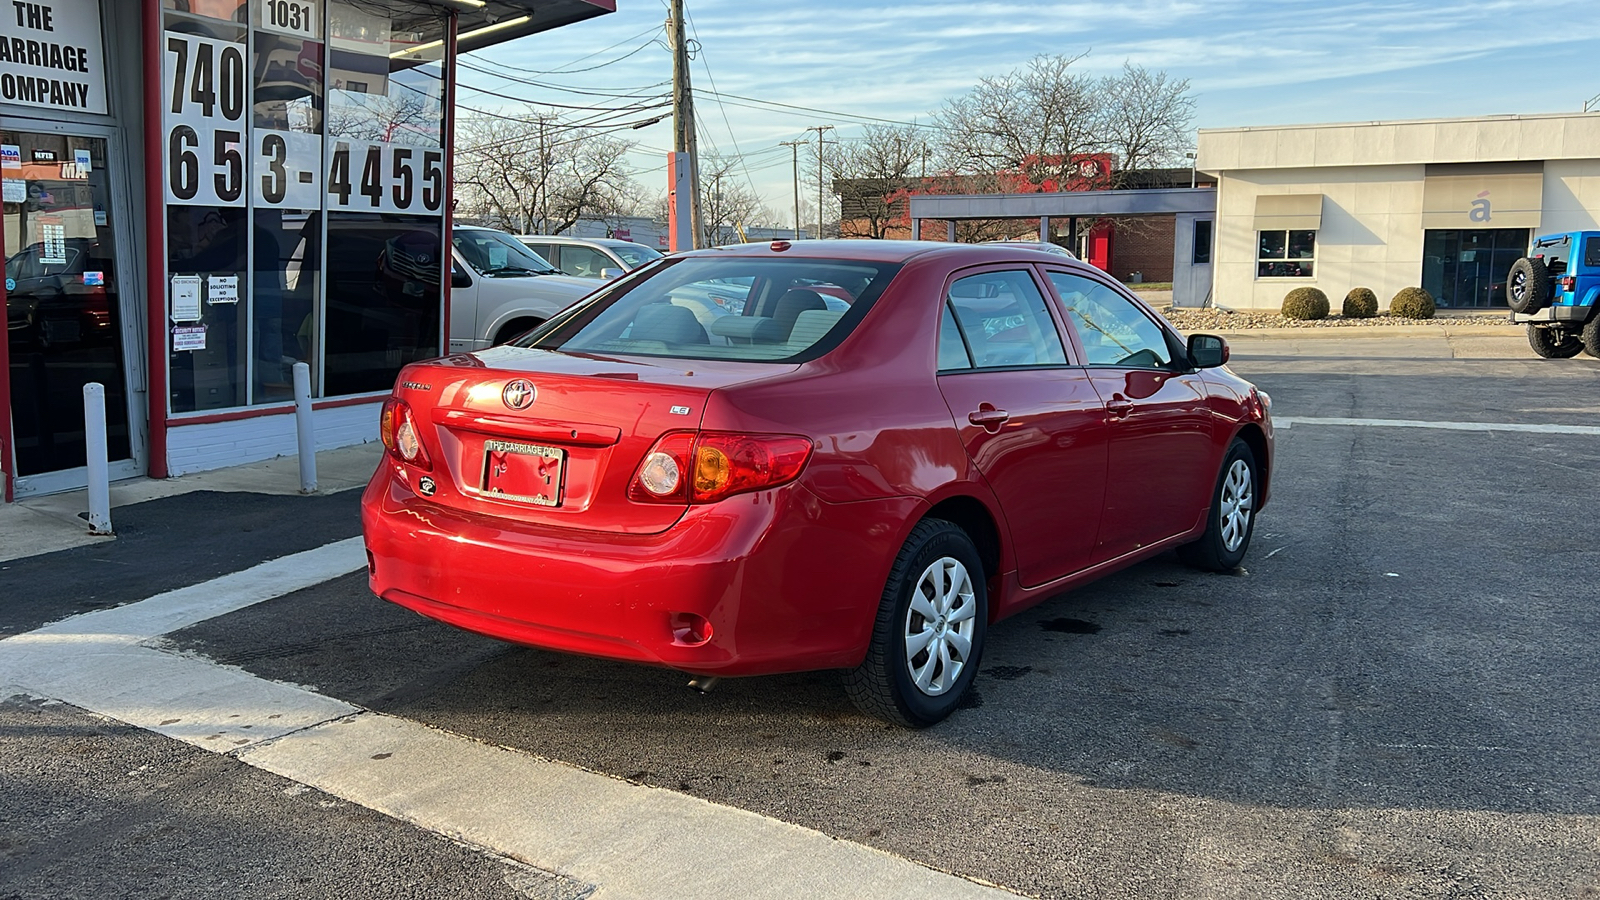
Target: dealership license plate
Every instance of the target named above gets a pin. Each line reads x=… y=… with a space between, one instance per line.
x=526 y=473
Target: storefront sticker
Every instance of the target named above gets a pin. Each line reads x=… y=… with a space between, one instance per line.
x=16 y=190
x=100 y=216
x=85 y=162
x=204 y=124
x=222 y=289
x=53 y=57
x=54 y=237
x=94 y=279
x=10 y=156
x=186 y=298
x=188 y=337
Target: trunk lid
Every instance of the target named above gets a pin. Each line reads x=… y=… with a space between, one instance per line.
x=554 y=438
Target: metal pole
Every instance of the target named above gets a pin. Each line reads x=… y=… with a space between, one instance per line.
x=683 y=128
x=305 y=431
x=94 y=432
x=819 y=129
x=794 y=146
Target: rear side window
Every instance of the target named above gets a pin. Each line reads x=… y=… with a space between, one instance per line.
x=752 y=309
x=1591 y=252
x=584 y=262
x=1004 y=321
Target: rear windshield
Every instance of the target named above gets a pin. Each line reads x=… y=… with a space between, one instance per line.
x=752 y=309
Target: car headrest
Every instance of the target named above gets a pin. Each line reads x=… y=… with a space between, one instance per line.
x=668 y=324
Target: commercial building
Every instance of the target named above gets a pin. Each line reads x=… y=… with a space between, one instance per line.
x=1445 y=204
x=200 y=193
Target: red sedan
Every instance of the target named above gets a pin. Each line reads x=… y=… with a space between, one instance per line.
x=810 y=484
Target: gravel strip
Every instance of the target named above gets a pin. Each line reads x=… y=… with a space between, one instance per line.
x=1213 y=319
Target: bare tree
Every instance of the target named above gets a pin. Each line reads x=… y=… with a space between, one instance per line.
x=727 y=202
x=873 y=175
x=1145 y=120
x=1025 y=124
x=533 y=173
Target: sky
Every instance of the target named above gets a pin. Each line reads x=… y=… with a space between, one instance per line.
x=1248 y=63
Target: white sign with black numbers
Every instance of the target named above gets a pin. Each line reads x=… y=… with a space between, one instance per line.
x=287 y=174
x=366 y=176
x=203 y=88
x=301 y=18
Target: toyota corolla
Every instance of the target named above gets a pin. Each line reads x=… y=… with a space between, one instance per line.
x=860 y=477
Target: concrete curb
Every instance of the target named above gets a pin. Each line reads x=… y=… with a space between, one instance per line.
x=1375 y=331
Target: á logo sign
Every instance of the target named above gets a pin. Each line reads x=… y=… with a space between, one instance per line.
x=1481 y=210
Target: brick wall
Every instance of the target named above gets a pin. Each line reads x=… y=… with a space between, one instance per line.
x=1144 y=245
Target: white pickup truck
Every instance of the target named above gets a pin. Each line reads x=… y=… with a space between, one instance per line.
x=500 y=289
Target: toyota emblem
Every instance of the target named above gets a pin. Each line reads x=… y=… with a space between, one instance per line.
x=519 y=394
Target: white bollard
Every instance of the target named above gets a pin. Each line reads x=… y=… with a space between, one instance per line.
x=94 y=433
x=304 y=429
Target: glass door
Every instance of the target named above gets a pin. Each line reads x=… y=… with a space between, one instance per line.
x=64 y=317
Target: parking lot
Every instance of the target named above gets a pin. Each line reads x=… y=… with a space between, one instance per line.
x=1393 y=698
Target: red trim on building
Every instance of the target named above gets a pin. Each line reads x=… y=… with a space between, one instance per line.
x=445 y=286
x=281 y=410
x=155 y=227
x=7 y=430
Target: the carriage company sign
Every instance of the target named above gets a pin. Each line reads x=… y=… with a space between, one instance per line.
x=51 y=55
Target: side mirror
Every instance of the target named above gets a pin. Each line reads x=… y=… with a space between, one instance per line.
x=460 y=278
x=611 y=274
x=1207 y=351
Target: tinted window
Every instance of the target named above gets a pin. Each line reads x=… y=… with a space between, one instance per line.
x=383 y=297
x=1113 y=330
x=584 y=262
x=750 y=309
x=1591 y=252
x=1005 y=321
x=1202 y=242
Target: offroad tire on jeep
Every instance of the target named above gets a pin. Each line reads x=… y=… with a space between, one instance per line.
x=1591 y=336
x=1528 y=285
x=1554 y=343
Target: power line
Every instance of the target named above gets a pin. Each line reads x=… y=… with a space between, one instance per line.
x=705 y=64
x=812 y=109
x=563 y=70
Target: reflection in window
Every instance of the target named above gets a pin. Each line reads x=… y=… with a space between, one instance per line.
x=1005 y=321
x=386 y=72
x=210 y=242
x=284 y=300
x=1286 y=254
x=1202 y=242
x=1114 y=331
x=383 y=298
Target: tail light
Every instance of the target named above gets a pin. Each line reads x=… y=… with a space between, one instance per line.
x=398 y=429
x=713 y=465
x=1568 y=283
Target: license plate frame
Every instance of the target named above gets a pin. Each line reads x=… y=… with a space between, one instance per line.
x=522 y=472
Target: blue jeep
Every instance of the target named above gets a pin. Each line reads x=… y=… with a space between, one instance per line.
x=1555 y=289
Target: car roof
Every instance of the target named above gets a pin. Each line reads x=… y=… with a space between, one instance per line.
x=571 y=239
x=893 y=252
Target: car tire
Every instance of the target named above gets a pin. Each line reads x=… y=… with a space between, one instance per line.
x=1231 y=519
x=934 y=606
x=1554 y=343
x=1591 y=336
x=1528 y=285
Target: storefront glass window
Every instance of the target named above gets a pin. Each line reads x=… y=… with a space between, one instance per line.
x=383 y=297
x=1286 y=254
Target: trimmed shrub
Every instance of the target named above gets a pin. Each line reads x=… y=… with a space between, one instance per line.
x=1360 y=303
x=1305 y=304
x=1412 y=303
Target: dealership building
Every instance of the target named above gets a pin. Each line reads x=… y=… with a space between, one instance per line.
x=1445 y=204
x=199 y=194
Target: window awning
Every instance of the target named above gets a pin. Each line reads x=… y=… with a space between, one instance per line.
x=1288 y=212
x=1483 y=199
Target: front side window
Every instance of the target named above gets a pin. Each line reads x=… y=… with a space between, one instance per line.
x=1113 y=330
x=1286 y=254
x=1591 y=252
x=584 y=262
x=635 y=255
x=738 y=308
x=1004 y=321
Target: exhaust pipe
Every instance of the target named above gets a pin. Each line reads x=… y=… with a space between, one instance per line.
x=703 y=683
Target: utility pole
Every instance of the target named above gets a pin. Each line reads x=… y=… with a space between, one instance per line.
x=683 y=139
x=819 y=129
x=795 y=146
x=716 y=209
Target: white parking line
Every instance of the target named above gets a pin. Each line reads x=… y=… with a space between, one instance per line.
x=627 y=840
x=1291 y=421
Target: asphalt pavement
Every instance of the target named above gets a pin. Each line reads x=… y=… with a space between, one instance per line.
x=1393 y=698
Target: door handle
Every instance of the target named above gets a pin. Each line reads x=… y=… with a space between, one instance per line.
x=1119 y=409
x=989 y=418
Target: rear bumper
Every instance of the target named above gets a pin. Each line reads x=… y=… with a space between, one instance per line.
x=1573 y=314
x=786 y=581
